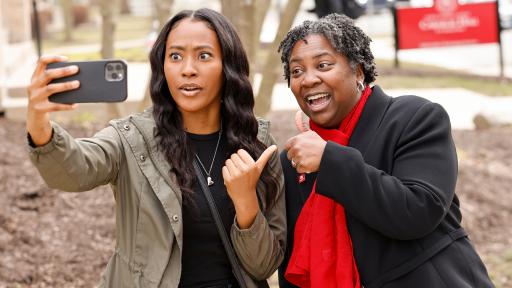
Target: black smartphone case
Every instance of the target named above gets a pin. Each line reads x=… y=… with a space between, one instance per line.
x=94 y=85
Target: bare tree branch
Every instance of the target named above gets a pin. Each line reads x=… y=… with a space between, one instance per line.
x=269 y=77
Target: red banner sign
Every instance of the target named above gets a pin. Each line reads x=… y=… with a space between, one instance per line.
x=447 y=23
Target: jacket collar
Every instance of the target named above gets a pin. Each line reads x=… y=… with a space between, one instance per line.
x=371 y=118
x=146 y=125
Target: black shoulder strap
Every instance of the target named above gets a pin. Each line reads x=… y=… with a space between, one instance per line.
x=220 y=227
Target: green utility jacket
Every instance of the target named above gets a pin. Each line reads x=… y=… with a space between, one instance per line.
x=149 y=225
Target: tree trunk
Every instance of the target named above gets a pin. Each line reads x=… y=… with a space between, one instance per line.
x=108 y=28
x=107 y=43
x=243 y=16
x=260 y=13
x=67 y=13
x=124 y=7
x=264 y=98
x=163 y=10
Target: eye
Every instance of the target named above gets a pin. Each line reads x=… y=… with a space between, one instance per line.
x=205 y=56
x=175 y=57
x=296 y=71
x=324 y=65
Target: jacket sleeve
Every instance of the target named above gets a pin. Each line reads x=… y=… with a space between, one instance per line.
x=260 y=248
x=81 y=164
x=411 y=200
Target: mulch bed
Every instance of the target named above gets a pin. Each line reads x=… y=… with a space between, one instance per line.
x=55 y=239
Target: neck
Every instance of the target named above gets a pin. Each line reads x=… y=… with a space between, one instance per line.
x=196 y=124
x=347 y=112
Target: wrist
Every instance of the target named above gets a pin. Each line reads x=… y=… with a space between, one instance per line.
x=246 y=211
x=41 y=135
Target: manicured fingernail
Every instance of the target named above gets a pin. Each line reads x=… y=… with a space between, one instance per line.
x=73 y=68
x=75 y=83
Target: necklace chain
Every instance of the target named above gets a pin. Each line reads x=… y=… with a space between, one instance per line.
x=209 y=178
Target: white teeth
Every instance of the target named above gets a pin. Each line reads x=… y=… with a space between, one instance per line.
x=317 y=96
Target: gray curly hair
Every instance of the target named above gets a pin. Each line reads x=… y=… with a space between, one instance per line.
x=348 y=40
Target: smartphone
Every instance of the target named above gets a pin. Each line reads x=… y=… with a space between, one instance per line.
x=100 y=81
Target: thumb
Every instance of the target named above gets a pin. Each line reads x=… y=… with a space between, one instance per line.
x=265 y=156
x=299 y=123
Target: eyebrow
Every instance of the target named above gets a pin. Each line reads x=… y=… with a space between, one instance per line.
x=298 y=59
x=200 y=47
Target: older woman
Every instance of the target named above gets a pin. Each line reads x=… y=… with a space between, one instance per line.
x=370 y=189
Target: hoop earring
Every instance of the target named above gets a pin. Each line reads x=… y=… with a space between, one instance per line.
x=360 y=86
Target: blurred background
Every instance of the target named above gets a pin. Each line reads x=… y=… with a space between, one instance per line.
x=52 y=239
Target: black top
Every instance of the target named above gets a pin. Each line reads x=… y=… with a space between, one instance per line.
x=396 y=180
x=204 y=260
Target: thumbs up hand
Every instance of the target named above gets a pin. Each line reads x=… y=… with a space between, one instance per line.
x=241 y=174
x=299 y=122
x=305 y=150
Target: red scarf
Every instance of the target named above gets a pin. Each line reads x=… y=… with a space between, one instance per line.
x=322 y=254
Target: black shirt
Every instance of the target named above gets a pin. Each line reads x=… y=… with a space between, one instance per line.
x=204 y=260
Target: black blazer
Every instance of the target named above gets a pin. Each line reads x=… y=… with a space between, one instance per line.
x=396 y=180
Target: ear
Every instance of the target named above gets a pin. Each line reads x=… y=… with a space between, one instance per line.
x=360 y=73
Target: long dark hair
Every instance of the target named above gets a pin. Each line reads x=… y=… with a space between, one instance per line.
x=239 y=122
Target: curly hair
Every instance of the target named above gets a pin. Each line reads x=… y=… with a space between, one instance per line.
x=239 y=122
x=348 y=40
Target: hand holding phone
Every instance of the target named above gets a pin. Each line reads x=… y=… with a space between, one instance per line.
x=56 y=83
x=39 y=107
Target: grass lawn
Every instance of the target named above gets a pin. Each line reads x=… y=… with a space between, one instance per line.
x=136 y=54
x=127 y=27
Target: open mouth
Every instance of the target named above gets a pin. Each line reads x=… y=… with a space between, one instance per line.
x=190 y=89
x=318 y=101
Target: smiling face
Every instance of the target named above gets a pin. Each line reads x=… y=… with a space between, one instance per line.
x=193 y=69
x=322 y=80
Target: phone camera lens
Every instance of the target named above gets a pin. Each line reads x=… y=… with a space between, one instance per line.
x=115 y=76
x=118 y=67
x=109 y=67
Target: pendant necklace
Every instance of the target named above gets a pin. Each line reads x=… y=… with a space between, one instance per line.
x=208 y=176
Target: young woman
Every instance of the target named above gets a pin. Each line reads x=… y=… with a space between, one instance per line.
x=202 y=111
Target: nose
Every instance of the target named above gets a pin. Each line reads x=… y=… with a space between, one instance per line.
x=189 y=69
x=310 y=79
